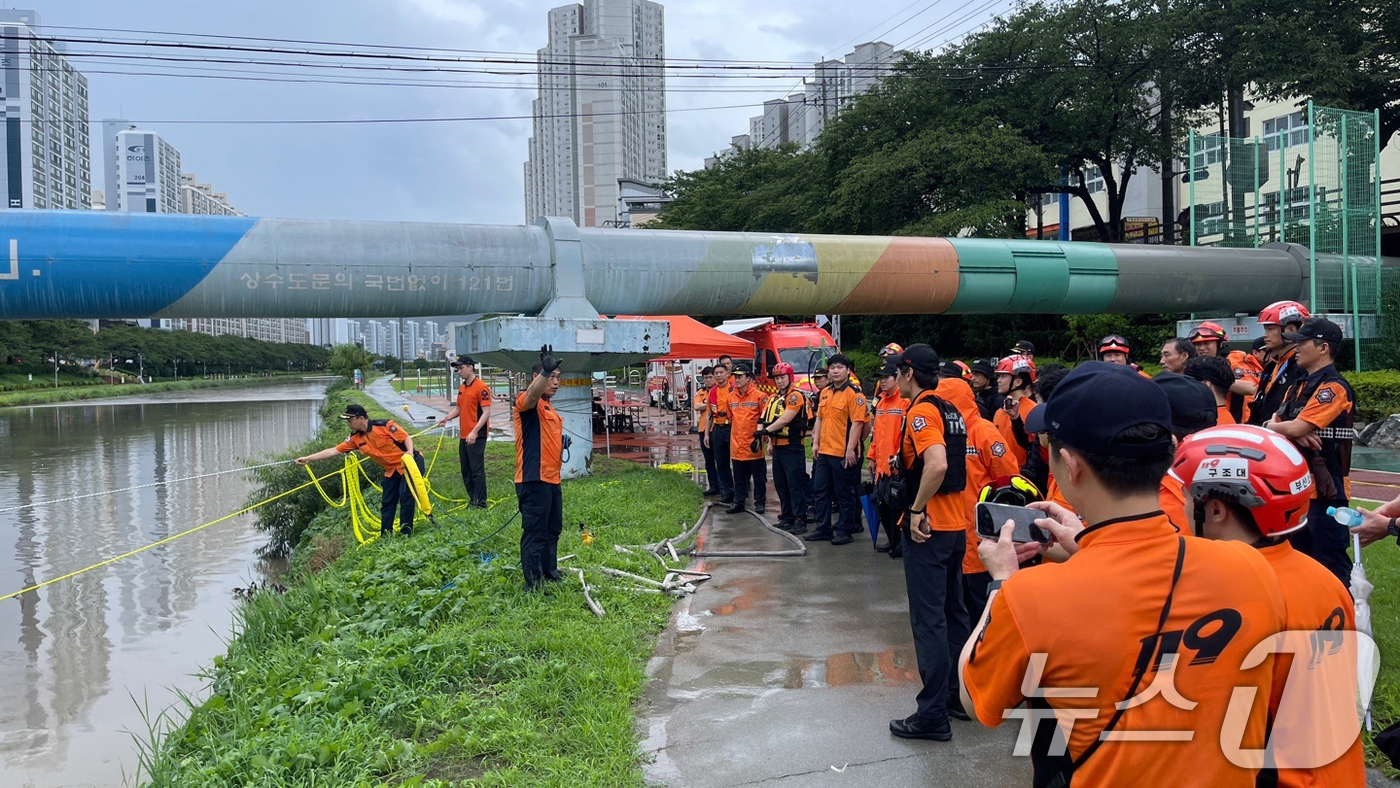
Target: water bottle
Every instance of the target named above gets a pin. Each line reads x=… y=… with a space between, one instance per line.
x=1345 y=516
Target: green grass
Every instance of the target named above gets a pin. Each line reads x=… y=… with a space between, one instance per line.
x=420 y=661
x=84 y=392
x=1382 y=562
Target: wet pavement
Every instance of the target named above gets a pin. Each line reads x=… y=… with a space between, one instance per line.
x=787 y=671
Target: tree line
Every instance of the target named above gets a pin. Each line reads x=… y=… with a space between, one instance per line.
x=31 y=346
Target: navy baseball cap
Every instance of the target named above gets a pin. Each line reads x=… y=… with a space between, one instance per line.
x=920 y=357
x=352 y=410
x=1319 y=328
x=1096 y=402
x=1192 y=405
x=888 y=369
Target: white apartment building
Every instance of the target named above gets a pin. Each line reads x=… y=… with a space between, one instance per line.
x=601 y=112
x=267 y=329
x=148 y=172
x=201 y=199
x=44 y=108
x=800 y=117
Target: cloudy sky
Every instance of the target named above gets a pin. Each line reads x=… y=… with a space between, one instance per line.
x=459 y=171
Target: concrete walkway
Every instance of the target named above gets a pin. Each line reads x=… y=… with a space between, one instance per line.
x=787 y=672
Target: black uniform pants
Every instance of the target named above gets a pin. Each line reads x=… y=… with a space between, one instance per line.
x=541 y=522
x=791 y=481
x=711 y=479
x=833 y=482
x=1325 y=540
x=751 y=472
x=719 y=444
x=397 y=495
x=933 y=580
x=473 y=458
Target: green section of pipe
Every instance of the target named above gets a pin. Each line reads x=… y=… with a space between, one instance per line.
x=1040 y=277
x=1093 y=278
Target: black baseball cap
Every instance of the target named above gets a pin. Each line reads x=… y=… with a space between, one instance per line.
x=468 y=360
x=1023 y=346
x=1258 y=344
x=1096 y=402
x=950 y=370
x=986 y=366
x=920 y=358
x=819 y=372
x=352 y=410
x=1192 y=405
x=743 y=368
x=888 y=369
x=1318 y=328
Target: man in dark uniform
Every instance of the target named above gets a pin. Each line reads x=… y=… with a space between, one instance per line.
x=717 y=434
x=386 y=443
x=1281 y=369
x=539 y=451
x=1317 y=413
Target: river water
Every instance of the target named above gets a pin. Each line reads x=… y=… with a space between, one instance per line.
x=84 y=660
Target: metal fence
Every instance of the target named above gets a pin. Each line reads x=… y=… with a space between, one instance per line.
x=1312 y=178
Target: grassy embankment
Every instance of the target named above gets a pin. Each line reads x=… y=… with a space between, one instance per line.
x=85 y=392
x=420 y=661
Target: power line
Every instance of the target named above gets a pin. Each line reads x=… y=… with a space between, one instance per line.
x=369 y=121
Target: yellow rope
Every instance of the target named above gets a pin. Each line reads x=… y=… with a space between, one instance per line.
x=167 y=539
x=678 y=467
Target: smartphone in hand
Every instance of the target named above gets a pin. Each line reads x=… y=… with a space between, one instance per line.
x=992 y=516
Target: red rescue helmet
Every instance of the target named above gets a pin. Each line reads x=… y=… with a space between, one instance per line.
x=1208 y=332
x=1014 y=365
x=1113 y=343
x=1281 y=313
x=966 y=370
x=782 y=368
x=1010 y=490
x=1251 y=466
x=891 y=349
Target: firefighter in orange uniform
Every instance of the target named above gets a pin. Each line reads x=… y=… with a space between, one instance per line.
x=841 y=417
x=882 y=458
x=786 y=421
x=1015 y=379
x=1248 y=485
x=539 y=458
x=988 y=457
x=1317 y=413
x=473 y=406
x=1209 y=339
x=386 y=443
x=933 y=459
x=1056 y=635
x=746 y=450
x=1215 y=374
x=1281 y=371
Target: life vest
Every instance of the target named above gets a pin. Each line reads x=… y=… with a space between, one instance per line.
x=1338 y=437
x=796 y=429
x=954 y=445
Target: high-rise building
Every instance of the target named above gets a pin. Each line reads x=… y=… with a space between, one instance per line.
x=268 y=329
x=601 y=112
x=148 y=172
x=833 y=85
x=200 y=198
x=44 y=107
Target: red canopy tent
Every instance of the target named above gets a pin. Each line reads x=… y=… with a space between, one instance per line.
x=692 y=339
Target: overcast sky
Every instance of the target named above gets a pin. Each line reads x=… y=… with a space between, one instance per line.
x=462 y=172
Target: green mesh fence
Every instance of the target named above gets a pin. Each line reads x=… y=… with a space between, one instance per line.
x=1311 y=178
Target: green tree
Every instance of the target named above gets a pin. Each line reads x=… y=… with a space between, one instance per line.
x=347 y=358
